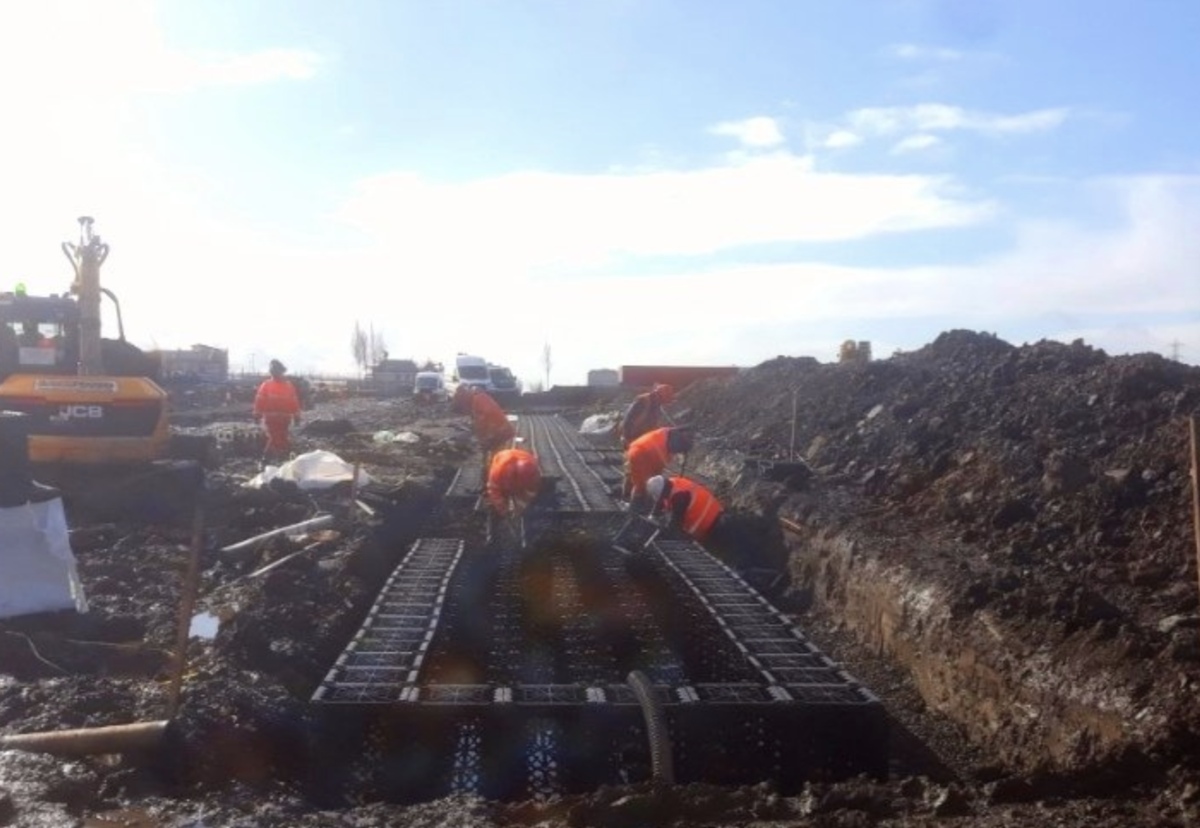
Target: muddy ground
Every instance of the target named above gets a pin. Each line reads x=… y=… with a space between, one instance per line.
x=995 y=539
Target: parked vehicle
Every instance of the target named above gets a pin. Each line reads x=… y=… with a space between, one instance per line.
x=471 y=370
x=429 y=386
x=503 y=382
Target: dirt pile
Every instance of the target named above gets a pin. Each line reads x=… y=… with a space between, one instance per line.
x=1044 y=487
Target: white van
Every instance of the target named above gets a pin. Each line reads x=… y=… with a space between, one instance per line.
x=504 y=384
x=471 y=370
x=429 y=386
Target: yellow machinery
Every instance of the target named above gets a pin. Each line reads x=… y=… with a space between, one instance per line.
x=852 y=351
x=89 y=400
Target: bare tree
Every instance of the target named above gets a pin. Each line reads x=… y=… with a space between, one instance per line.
x=376 y=347
x=359 y=346
x=546 y=362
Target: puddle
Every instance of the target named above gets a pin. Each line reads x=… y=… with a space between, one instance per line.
x=204 y=625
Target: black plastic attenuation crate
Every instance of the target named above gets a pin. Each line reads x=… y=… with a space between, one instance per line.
x=503 y=672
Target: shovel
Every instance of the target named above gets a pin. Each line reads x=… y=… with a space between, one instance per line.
x=636 y=534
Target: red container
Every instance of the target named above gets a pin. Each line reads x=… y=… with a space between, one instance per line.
x=679 y=376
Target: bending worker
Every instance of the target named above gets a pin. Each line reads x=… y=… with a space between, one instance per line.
x=686 y=505
x=646 y=413
x=513 y=482
x=740 y=540
x=488 y=421
x=277 y=405
x=649 y=455
x=695 y=510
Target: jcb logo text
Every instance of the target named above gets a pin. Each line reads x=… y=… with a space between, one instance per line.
x=80 y=412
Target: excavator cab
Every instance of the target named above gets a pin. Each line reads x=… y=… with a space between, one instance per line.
x=89 y=400
x=38 y=334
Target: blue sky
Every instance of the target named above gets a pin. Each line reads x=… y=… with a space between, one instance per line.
x=629 y=180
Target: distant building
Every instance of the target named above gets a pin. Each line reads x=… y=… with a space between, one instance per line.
x=393 y=377
x=604 y=378
x=199 y=362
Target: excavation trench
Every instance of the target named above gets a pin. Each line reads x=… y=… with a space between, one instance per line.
x=1034 y=705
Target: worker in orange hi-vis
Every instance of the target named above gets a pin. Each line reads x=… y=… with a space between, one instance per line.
x=489 y=423
x=646 y=413
x=736 y=538
x=513 y=482
x=688 y=506
x=649 y=455
x=277 y=406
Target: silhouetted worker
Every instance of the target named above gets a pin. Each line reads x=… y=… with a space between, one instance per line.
x=646 y=413
x=489 y=423
x=649 y=455
x=30 y=337
x=277 y=405
x=513 y=482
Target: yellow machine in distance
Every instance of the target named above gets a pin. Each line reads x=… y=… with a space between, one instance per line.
x=89 y=400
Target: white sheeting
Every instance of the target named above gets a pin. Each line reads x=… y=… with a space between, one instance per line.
x=37 y=568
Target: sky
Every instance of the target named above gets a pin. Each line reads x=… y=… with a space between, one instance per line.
x=624 y=181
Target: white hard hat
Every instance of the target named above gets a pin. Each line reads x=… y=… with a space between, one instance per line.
x=655 y=486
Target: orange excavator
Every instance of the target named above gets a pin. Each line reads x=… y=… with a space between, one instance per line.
x=88 y=400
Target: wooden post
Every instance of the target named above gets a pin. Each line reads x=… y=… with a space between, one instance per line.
x=1195 y=454
x=353 y=493
x=90 y=740
x=187 y=605
x=792 y=447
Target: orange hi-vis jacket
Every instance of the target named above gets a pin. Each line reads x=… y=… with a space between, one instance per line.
x=702 y=510
x=490 y=423
x=646 y=457
x=276 y=396
x=504 y=481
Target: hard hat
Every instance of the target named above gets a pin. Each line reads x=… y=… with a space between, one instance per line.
x=655 y=486
x=21 y=289
x=665 y=393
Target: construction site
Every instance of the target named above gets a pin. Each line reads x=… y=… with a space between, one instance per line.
x=965 y=593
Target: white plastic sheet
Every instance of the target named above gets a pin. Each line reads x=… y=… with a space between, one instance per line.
x=600 y=427
x=393 y=437
x=312 y=471
x=37 y=568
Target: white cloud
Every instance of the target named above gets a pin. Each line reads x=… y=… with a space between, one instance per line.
x=181 y=72
x=916 y=143
x=916 y=52
x=931 y=117
x=449 y=261
x=757 y=133
x=537 y=219
x=743 y=314
x=1132 y=275
x=842 y=139
x=72 y=50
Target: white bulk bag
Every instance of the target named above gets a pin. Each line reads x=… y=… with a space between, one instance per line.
x=37 y=568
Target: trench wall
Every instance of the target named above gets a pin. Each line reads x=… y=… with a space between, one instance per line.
x=1035 y=705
